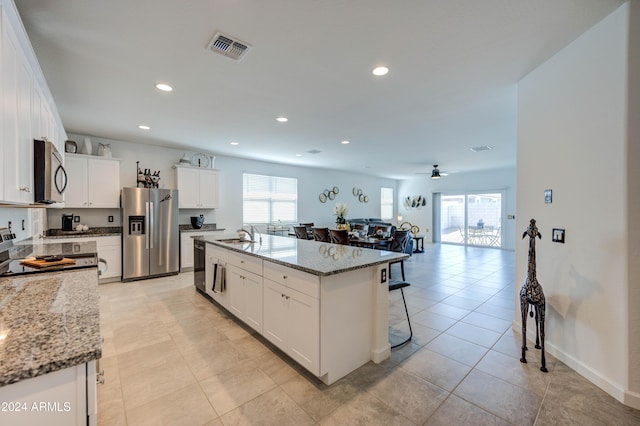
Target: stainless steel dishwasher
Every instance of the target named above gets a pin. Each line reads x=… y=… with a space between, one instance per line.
x=198 y=264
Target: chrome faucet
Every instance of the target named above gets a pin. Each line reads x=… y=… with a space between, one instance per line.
x=252 y=232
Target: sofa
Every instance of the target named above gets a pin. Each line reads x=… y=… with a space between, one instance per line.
x=373 y=222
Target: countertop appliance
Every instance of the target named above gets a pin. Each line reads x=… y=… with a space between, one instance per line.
x=199 y=264
x=49 y=176
x=150 y=238
x=11 y=266
x=67 y=222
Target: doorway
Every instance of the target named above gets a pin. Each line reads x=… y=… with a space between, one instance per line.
x=473 y=219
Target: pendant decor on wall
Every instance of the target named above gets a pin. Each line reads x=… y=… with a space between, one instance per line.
x=357 y=192
x=329 y=194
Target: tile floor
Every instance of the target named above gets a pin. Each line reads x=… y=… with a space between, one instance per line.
x=172 y=357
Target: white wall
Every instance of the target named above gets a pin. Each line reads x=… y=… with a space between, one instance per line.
x=572 y=139
x=502 y=179
x=311 y=182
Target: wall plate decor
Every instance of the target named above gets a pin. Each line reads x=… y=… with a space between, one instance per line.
x=332 y=195
x=548 y=196
x=323 y=197
x=335 y=190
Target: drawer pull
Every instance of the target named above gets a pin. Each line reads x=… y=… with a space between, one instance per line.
x=284 y=277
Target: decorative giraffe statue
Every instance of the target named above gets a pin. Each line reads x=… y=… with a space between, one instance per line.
x=531 y=294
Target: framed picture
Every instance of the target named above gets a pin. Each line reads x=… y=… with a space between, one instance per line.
x=548 y=196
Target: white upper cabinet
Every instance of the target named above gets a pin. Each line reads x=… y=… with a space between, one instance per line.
x=26 y=109
x=198 y=188
x=16 y=119
x=94 y=182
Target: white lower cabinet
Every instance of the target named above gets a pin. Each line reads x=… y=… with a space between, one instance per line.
x=245 y=296
x=291 y=317
x=64 y=397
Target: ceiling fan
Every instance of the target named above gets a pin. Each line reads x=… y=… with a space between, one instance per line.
x=435 y=173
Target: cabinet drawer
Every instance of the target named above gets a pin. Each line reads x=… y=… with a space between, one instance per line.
x=248 y=263
x=301 y=281
x=217 y=253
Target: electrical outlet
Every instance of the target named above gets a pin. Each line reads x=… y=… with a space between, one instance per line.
x=76 y=219
x=511 y=216
x=383 y=276
x=110 y=219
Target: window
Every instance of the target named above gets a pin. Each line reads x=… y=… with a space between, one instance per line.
x=386 y=203
x=268 y=199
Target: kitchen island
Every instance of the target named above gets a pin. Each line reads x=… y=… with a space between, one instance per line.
x=325 y=305
x=49 y=343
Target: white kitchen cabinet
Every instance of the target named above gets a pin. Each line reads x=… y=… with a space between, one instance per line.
x=27 y=111
x=63 y=397
x=17 y=146
x=291 y=317
x=244 y=287
x=186 y=246
x=198 y=188
x=110 y=249
x=94 y=182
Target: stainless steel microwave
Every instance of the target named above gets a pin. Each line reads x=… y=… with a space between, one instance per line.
x=49 y=176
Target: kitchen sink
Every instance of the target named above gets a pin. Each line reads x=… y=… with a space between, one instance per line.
x=235 y=241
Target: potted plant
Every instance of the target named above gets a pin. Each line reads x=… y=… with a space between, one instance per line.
x=341 y=210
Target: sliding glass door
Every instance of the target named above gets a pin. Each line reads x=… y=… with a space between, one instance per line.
x=471 y=219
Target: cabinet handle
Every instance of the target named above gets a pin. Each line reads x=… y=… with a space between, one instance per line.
x=287 y=297
x=284 y=277
x=281 y=294
x=25 y=189
x=100 y=378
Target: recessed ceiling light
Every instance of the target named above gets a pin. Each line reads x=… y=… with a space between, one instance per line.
x=345 y=142
x=164 y=87
x=143 y=127
x=234 y=143
x=380 y=71
x=282 y=119
x=298 y=155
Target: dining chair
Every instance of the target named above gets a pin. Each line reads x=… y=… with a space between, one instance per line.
x=321 y=234
x=400 y=286
x=301 y=232
x=339 y=236
x=398 y=244
x=309 y=227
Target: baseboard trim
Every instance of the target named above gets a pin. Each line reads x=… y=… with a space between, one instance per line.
x=624 y=396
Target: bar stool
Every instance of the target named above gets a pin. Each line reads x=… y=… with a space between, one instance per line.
x=400 y=286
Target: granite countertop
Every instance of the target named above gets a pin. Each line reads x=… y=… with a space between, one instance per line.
x=49 y=322
x=104 y=231
x=310 y=256
x=205 y=228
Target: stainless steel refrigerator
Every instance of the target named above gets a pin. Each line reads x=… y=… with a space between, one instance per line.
x=150 y=237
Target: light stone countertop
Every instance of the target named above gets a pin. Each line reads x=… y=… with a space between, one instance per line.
x=310 y=256
x=48 y=322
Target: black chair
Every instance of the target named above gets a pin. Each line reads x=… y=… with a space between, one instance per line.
x=400 y=286
x=321 y=234
x=399 y=245
x=301 y=232
x=339 y=236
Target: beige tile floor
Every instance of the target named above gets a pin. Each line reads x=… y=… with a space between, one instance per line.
x=172 y=357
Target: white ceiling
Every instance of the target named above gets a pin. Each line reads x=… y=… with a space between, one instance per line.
x=454 y=66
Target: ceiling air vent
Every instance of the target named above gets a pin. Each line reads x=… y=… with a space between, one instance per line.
x=481 y=148
x=314 y=151
x=228 y=46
